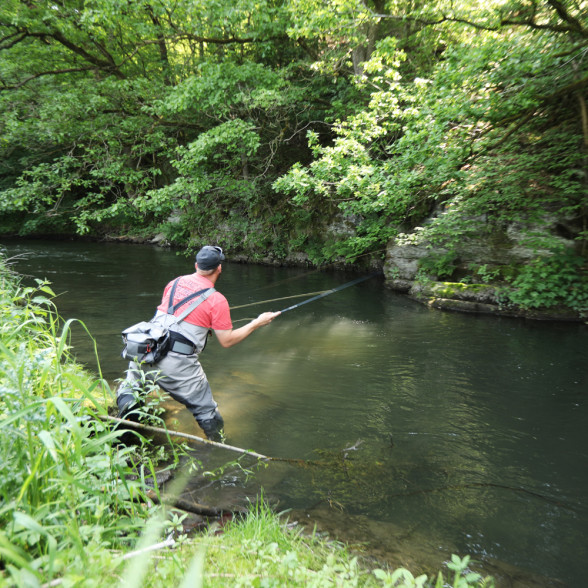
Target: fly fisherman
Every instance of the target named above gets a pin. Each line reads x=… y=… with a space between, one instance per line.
x=179 y=373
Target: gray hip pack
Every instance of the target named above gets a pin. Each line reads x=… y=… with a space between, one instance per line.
x=148 y=342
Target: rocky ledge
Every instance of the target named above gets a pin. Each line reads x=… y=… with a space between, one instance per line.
x=473 y=298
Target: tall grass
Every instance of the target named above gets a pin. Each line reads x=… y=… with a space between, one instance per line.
x=64 y=487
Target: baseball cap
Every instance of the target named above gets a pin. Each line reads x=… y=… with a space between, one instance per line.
x=209 y=257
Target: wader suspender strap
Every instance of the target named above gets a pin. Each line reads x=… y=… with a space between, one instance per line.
x=200 y=296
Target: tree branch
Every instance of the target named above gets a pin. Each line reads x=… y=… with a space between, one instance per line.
x=189 y=506
x=161 y=42
x=149 y=428
x=567 y=17
x=554 y=96
x=438 y=21
x=45 y=73
x=573 y=26
x=227 y=41
x=106 y=64
x=529 y=113
x=544 y=27
x=9 y=41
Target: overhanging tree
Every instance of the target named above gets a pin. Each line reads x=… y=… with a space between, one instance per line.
x=496 y=127
x=96 y=100
x=120 y=115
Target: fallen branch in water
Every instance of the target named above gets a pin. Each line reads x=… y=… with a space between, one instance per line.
x=189 y=506
x=151 y=429
x=216 y=512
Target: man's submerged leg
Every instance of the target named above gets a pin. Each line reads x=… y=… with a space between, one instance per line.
x=128 y=404
x=185 y=381
x=213 y=428
x=126 y=398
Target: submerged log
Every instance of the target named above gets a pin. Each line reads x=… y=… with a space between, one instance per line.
x=193 y=507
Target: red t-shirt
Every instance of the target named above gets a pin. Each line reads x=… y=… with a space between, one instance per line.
x=213 y=313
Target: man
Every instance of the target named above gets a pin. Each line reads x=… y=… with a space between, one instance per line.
x=179 y=373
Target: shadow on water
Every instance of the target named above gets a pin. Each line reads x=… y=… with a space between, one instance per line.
x=437 y=433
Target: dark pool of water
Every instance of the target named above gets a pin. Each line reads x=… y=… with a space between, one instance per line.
x=468 y=433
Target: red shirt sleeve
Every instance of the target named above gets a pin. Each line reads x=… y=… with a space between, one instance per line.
x=220 y=315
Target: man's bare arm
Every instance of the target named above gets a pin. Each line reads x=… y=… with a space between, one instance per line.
x=230 y=337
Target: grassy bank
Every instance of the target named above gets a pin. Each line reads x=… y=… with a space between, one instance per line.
x=75 y=511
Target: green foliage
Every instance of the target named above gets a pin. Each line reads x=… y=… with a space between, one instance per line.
x=560 y=279
x=204 y=167
x=59 y=488
x=488 y=274
x=353 y=175
x=441 y=266
x=68 y=492
x=464 y=136
x=94 y=151
x=262 y=550
x=447 y=139
x=96 y=158
x=279 y=127
x=462 y=577
x=222 y=89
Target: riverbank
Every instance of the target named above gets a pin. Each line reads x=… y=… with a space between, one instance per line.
x=300 y=259
x=491 y=298
x=463 y=297
x=77 y=507
x=478 y=299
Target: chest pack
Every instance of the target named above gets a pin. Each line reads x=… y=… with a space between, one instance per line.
x=147 y=341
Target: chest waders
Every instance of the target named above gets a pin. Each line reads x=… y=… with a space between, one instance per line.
x=179 y=344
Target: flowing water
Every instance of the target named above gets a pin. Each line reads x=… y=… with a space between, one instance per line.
x=429 y=433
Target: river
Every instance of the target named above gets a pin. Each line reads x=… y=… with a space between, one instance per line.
x=436 y=432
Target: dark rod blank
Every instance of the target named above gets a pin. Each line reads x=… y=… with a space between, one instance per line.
x=333 y=290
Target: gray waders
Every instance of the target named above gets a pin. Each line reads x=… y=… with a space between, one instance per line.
x=179 y=372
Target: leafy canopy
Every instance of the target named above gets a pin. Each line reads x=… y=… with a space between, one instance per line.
x=286 y=125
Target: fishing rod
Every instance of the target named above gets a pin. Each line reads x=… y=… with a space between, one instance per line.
x=332 y=291
x=320 y=294
x=275 y=300
x=317 y=269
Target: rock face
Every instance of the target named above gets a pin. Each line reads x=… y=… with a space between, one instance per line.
x=486 y=257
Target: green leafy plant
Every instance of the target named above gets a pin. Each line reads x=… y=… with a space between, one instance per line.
x=560 y=279
x=67 y=489
x=462 y=577
x=440 y=266
x=486 y=273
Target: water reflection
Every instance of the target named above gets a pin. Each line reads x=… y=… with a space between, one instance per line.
x=469 y=431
